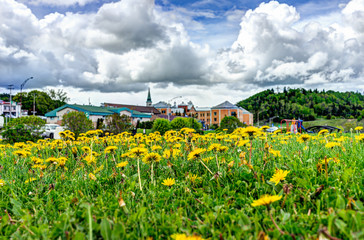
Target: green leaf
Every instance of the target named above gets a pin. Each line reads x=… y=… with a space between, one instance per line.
x=79 y=236
x=105 y=229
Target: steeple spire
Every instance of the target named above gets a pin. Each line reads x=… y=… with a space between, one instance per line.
x=149 y=99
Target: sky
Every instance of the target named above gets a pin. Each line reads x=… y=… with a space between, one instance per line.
x=207 y=51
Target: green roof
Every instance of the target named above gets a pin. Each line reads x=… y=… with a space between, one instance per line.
x=93 y=110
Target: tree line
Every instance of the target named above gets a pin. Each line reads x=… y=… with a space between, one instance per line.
x=45 y=101
x=304 y=104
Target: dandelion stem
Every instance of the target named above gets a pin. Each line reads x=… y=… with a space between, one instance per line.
x=152 y=173
x=250 y=152
x=217 y=163
x=274 y=222
x=140 y=181
x=206 y=166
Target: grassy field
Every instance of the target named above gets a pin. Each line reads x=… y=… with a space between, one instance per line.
x=345 y=124
x=244 y=185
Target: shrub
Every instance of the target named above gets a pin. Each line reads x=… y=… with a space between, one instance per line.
x=77 y=122
x=145 y=125
x=161 y=125
x=193 y=123
x=23 y=129
x=230 y=123
x=117 y=124
x=179 y=123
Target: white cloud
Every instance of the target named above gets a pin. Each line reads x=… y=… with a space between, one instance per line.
x=60 y=2
x=271 y=50
x=127 y=45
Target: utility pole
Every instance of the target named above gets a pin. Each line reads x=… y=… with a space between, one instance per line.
x=11 y=87
x=34 y=105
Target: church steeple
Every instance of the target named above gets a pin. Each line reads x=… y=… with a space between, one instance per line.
x=149 y=99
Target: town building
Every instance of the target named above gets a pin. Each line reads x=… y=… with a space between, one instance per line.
x=12 y=110
x=96 y=114
x=214 y=115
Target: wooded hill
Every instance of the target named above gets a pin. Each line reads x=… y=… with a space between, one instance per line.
x=304 y=104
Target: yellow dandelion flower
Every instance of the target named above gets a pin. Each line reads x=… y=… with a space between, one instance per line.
x=251 y=131
x=156 y=148
x=223 y=149
x=178 y=236
x=323 y=132
x=151 y=157
x=2 y=182
x=98 y=169
x=195 y=153
x=279 y=176
x=22 y=153
x=332 y=145
x=92 y=176
x=275 y=153
x=208 y=159
x=122 y=164
x=86 y=149
x=110 y=149
x=138 y=151
x=242 y=143
x=359 y=128
x=304 y=138
x=194 y=178
x=265 y=200
x=264 y=128
x=169 y=182
x=90 y=159
x=30 y=180
x=214 y=147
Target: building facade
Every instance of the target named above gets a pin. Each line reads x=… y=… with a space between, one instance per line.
x=214 y=115
x=12 y=110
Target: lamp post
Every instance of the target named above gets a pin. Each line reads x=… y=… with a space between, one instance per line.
x=21 y=88
x=169 y=101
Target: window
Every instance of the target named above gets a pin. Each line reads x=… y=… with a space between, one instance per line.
x=208 y=114
x=215 y=113
x=215 y=119
x=163 y=111
x=233 y=114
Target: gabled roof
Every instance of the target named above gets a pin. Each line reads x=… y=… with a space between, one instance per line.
x=92 y=110
x=142 y=109
x=161 y=105
x=202 y=109
x=134 y=113
x=225 y=105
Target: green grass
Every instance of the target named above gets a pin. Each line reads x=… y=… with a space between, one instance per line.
x=345 y=124
x=63 y=202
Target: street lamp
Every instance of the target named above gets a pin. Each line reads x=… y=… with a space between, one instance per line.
x=21 y=88
x=169 y=101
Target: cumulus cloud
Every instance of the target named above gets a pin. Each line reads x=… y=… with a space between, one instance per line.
x=271 y=51
x=60 y=2
x=122 y=47
x=129 y=44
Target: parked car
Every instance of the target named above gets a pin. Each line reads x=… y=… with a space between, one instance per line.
x=49 y=130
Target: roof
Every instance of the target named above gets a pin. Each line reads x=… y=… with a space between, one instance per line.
x=161 y=105
x=225 y=105
x=134 y=113
x=92 y=110
x=142 y=109
x=202 y=109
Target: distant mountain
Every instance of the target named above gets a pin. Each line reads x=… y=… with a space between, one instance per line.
x=304 y=104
